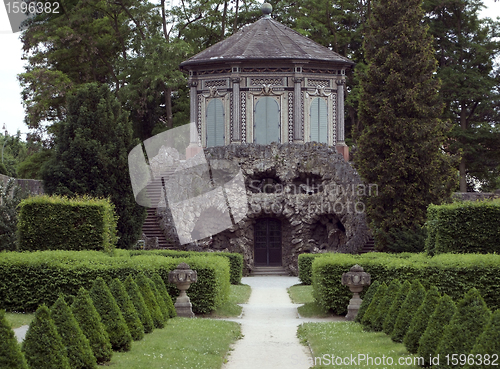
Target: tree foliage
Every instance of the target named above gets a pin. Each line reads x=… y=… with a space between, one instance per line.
x=385 y=305
x=411 y=304
x=92 y=157
x=487 y=343
x=402 y=136
x=367 y=299
x=371 y=313
x=140 y=305
x=128 y=309
x=150 y=300
x=10 y=353
x=392 y=314
x=162 y=290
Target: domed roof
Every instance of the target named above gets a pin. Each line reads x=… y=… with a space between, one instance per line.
x=264 y=40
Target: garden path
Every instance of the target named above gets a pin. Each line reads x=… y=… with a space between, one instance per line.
x=269 y=325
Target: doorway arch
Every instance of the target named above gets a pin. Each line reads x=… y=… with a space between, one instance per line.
x=267 y=242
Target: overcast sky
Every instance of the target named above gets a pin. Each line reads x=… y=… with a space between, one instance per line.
x=11 y=109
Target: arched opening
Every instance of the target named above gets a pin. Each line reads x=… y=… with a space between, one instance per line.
x=319 y=121
x=267 y=242
x=266 y=121
x=215 y=123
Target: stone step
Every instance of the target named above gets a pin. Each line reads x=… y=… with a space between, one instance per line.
x=369 y=246
x=269 y=271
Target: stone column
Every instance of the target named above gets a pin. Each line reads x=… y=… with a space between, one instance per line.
x=342 y=148
x=236 y=110
x=193 y=147
x=298 y=135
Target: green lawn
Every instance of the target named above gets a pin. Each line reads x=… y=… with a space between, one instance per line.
x=17 y=320
x=302 y=294
x=347 y=340
x=183 y=344
x=239 y=294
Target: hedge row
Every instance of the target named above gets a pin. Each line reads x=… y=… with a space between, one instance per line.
x=464 y=227
x=450 y=273
x=31 y=279
x=235 y=260
x=305 y=267
x=58 y=223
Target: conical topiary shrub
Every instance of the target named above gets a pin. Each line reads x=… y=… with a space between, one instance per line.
x=77 y=346
x=369 y=316
x=385 y=305
x=487 y=344
x=160 y=300
x=413 y=300
x=465 y=326
x=11 y=356
x=392 y=314
x=367 y=299
x=89 y=320
x=432 y=335
x=162 y=289
x=150 y=300
x=43 y=346
x=420 y=319
x=127 y=308
x=111 y=316
x=139 y=303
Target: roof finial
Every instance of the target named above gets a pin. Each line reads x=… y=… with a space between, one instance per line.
x=266 y=9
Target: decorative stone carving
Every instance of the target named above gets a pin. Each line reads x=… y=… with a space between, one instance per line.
x=182 y=277
x=356 y=279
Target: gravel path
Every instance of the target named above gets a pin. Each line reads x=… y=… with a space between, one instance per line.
x=269 y=325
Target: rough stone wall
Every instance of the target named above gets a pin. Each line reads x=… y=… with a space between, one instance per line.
x=309 y=187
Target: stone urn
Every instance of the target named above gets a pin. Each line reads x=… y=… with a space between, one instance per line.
x=182 y=277
x=356 y=279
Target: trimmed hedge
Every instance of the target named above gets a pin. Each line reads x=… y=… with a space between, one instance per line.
x=162 y=289
x=150 y=300
x=450 y=273
x=140 y=305
x=10 y=352
x=305 y=267
x=385 y=305
x=31 y=279
x=235 y=259
x=367 y=300
x=43 y=346
x=393 y=312
x=488 y=342
x=59 y=223
x=463 y=227
x=128 y=310
x=411 y=304
x=371 y=313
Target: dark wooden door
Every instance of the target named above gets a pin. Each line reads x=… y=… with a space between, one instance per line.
x=267 y=242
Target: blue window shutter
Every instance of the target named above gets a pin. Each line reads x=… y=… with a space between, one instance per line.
x=267 y=121
x=319 y=121
x=215 y=123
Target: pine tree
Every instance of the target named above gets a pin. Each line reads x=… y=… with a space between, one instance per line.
x=432 y=335
x=77 y=346
x=111 y=316
x=420 y=319
x=162 y=289
x=385 y=305
x=150 y=300
x=393 y=312
x=11 y=356
x=92 y=157
x=399 y=146
x=488 y=343
x=162 y=304
x=367 y=299
x=139 y=303
x=90 y=322
x=411 y=304
x=370 y=314
x=465 y=326
x=128 y=309
x=43 y=346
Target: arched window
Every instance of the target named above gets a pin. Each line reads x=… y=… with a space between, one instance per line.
x=215 y=123
x=267 y=121
x=319 y=121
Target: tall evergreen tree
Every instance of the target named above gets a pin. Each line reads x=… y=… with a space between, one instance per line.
x=92 y=157
x=400 y=145
x=10 y=353
x=77 y=346
x=43 y=346
x=90 y=322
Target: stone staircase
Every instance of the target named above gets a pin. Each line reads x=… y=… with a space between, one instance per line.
x=151 y=227
x=269 y=270
x=369 y=246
